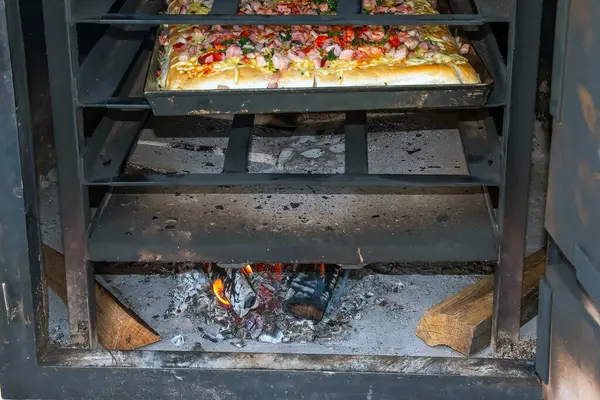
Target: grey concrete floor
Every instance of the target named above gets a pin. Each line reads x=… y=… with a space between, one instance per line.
x=396 y=145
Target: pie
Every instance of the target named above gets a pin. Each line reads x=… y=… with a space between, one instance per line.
x=201 y=57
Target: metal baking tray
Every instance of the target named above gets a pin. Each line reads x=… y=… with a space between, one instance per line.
x=253 y=101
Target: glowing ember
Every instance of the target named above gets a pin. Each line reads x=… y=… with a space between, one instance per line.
x=322 y=270
x=218 y=289
x=247 y=270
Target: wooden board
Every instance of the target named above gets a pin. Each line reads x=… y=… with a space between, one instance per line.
x=463 y=322
x=118 y=327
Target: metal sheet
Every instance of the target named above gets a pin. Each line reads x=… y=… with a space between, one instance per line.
x=572 y=213
x=265 y=226
x=574 y=358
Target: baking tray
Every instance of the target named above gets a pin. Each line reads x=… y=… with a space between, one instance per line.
x=254 y=101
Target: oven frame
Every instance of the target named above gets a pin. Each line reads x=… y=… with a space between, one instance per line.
x=34 y=369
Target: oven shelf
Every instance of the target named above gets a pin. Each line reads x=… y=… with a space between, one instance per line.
x=111 y=145
x=230 y=227
x=224 y=13
x=133 y=50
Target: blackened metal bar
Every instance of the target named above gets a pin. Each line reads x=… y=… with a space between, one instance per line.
x=349 y=7
x=214 y=19
x=120 y=103
x=100 y=79
x=90 y=8
x=111 y=143
x=519 y=119
x=225 y=7
x=481 y=146
x=496 y=10
x=355 y=139
x=172 y=103
x=236 y=157
x=489 y=52
x=250 y=179
x=61 y=42
x=23 y=289
x=115 y=136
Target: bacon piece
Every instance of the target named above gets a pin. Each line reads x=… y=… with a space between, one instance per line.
x=280 y=62
x=400 y=53
x=347 y=54
x=233 y=51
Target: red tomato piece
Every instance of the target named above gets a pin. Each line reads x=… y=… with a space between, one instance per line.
x=179 y=47
x=349 y=34
x=320 y=40
x=394 y=41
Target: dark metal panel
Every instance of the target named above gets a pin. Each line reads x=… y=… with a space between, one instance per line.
x=349 y=7
x=481 y=146
x=73 y=196
x=574 y=338
x=133 y=228
x=251 y=179
x=355 y=141
x=116 y=134
x=20 y=285
x=544 y=323
x=519 y=119
x=573 y=211
x=225 y=7
x=225 y=19
x=173 y=103
x=559 y=59
x=134 y=383
x=496 y=10
x=238 y=146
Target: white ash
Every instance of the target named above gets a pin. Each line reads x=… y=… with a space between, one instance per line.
x=270 y=323
x=178 y=340
x=187 y=288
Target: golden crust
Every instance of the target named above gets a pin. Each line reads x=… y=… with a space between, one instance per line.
x=391 y=75
x=467 y=74
x=243 y=77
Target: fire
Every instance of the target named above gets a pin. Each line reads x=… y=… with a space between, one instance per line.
x=321 y=269
x=247 y=270
x=218 y=289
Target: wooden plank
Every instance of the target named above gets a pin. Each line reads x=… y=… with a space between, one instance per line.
x=463 y=322
x=118 y=327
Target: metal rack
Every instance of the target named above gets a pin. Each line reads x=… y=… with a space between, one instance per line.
x=112 y=77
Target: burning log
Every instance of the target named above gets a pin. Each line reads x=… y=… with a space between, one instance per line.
x=233 y=288
x=311 y=291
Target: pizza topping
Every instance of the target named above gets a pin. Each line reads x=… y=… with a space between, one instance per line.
x=233 y=51
x=203 y=50
x=347 y=55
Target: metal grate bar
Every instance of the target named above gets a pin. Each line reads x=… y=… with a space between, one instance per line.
x=236 y=158
x=357 y=157
x=115 y=136
x=252 y=179
x=482 y=147
x=121 y=103
x=220 y=19
x=349 y=7
x=225 y=7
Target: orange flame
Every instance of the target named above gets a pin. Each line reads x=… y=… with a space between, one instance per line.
x=247 y=270
x=321 y=269
x=218 y=289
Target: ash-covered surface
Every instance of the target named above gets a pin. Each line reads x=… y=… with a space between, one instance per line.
x=379 y=316
x=193 y=298
x=523 y=350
